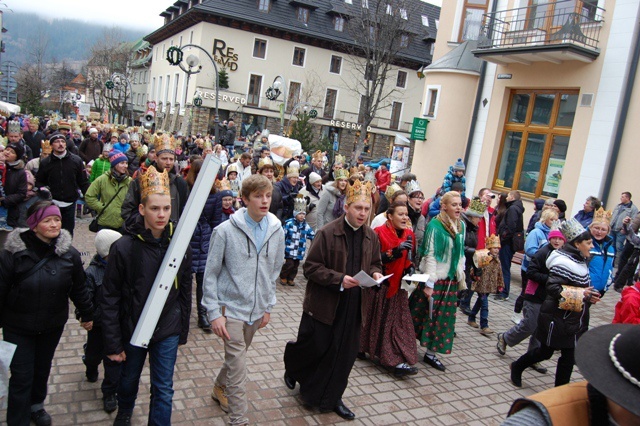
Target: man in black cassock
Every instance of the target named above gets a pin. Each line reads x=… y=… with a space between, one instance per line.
x=329 y=335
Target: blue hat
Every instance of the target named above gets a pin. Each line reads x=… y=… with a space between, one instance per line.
x=459 y=166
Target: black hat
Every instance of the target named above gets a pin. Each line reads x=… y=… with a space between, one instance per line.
x=561 y=205
x=608 y=358
x=18 y=149
x=56 y=135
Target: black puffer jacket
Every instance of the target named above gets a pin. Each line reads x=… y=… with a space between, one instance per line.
x=539 y=273
x=95 y=276
x=512 y=222
x=40 y=303
x=64 y=176
x=134 y=261
x=15 y=189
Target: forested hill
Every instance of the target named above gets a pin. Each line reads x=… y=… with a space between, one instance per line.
x=67 y=39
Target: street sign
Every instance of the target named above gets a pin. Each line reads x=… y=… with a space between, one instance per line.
x=151 y=105
x=419 y=129
x=84 y=109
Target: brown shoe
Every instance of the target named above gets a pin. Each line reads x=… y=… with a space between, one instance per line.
x=473 y=324
x=486 y=331
x=220 y=397
x=290 y=283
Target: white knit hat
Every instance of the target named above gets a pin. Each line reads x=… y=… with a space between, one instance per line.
x=104 y=239
x=314 y=177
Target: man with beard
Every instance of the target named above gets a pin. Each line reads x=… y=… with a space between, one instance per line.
x=328 y=338
x=65 y=129
x=91 y=147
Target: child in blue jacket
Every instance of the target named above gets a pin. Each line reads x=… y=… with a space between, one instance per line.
x=296 y=233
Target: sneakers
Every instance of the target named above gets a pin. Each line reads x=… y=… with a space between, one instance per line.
x=41 y=417
x=501 y=346
x=501 y=298
x=219 y=396
x=282 y=281
x=540 y=369
x=486 y=331
x=473 y=324
x=290 y=283
x=123 y=418
x=109 y=403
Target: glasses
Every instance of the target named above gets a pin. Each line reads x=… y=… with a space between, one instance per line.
x=419 y=197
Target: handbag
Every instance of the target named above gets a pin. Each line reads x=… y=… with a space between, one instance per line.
x=93 y=226
x=571 y=298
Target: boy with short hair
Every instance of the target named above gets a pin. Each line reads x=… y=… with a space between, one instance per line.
x=296 y=233
x=245 y=257
x=134 y=262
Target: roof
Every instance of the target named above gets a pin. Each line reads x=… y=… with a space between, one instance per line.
x=459 y=59
x=319 y=30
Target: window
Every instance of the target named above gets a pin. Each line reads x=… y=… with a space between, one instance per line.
x=404 y=40
x=437 y=24
x=176 y=81
x=348 y=1
x=403 y=14
x=425 y=20
x=365 y=4
x=330 y=103
x=298 y=56
x=153 y=87
x=165 y=99
x=293 y=96
x=260 y=48
x=303 y=14
x=432 y=101
x=396 y=111
x=535 y=141
x=401 y=81
x=336 y=64
x=338 y=23
x=264 y=5
x=389 y=10
x=472 y=19
x=255 y=84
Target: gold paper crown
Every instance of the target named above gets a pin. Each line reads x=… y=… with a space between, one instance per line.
x=492 y=241
x=341 y=174
x=602 y=216
x=35 y=121
x=266 y=161
x=359 y=192
x=14 y=127
x=45 y=147
x=232 y=168
x=392 y=189
x=300 y=203
x=154 y=182
x=207 y=145
x=318 y=155
x=476 y=208
x=166 y=143
x=339 y=159
x=222 y=185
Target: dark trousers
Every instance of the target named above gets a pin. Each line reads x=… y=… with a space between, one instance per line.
x=544 y=352
x=94 y=355
x=30 y=368
x=68 y=217
x=199 y=293
x=289 y=269
x=505 y=255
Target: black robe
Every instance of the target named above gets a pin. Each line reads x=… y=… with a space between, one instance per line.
x=323 y=355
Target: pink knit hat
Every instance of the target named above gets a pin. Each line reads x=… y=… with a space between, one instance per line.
x=557 y=234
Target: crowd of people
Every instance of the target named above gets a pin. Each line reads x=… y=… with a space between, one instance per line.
x=342 y=222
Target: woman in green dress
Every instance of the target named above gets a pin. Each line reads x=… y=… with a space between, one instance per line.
x=442 y=254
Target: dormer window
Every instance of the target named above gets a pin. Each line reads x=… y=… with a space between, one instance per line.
x=403 y=14
x=365 y=4
x=389 y=10
x=425 y=20
x=303 y=14
x=338 y=23
x=264 y=5
x=404 y=40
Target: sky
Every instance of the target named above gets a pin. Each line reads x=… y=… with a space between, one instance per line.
x=135 y=14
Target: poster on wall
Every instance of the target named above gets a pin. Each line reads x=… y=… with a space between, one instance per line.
x=399 y=159
x=553 y=176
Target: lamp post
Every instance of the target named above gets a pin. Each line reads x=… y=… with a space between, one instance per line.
x=307 y=108
x=119 y=83
x=272 y=94
x=175 y=56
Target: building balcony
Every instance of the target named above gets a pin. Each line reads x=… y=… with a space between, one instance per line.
x=550 y=32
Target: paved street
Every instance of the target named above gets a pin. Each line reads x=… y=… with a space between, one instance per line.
x=475 y=390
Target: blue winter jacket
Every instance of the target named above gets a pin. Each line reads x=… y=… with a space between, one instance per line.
x=534 y=242
x=450 y=178
x=584 y=218
x=601 y=263
x=218 y=215
x=296 y=235
x=201 y=236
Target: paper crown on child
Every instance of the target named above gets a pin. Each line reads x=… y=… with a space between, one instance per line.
x=14 y=127
x=318 y=155
x=341 y=174
x=45 y=147
x=232 y=168
x=165 y=143
x=476 y=208
x=412 y=186
x=602 y=216
x=265 y=162
x=359 y=192
x=392 y=189
x=154 y=182
x=299 y=205
x=222 y=185
x=571 y=229
x=339 y=159
x=492 y=241
x=207 y=144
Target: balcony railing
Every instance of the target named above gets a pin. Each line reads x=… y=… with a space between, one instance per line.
x=572 y=22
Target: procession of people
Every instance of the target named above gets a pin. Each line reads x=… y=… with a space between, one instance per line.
x=379 y=282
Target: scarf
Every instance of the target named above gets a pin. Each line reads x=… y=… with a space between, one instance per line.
x=119 y=177
x=442 y=232
x=389 y=240
x=228 y=211
x=338 y=207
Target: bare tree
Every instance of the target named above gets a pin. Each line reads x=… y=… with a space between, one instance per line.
x=380 y=33
x=31 y=77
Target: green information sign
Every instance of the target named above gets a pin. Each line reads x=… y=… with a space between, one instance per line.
x=419 y=129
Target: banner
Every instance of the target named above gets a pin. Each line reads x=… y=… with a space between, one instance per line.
x=399 y=159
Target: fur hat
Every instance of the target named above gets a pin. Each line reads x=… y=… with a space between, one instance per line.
x=492 y=241
x=104 y=239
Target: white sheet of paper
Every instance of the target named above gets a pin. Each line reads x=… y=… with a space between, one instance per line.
x=420 y=278
x=366 y=280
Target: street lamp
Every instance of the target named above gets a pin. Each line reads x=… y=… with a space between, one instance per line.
x=175 y=56
x=272 y=94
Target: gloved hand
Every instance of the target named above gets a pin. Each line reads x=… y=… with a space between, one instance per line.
x=410 y=270
x=44 y=193
x=406 y=245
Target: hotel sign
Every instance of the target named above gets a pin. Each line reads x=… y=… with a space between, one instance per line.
x=222 y=97
x=348 y=125
x=224 y=55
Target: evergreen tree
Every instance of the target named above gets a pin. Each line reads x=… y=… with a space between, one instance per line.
x=302 y=131
x=223 y=79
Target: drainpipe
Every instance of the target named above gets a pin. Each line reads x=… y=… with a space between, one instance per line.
x=476 y=106
x=622 y=117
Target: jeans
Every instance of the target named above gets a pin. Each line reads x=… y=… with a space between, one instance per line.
x=526 y=327
x=505 y=255
x=94 y=355
x=544 y=352
x=68 y=217
x=465 y=301
x=162 y=360
x=618 y=240
x=30 y=368
x=482 y=305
